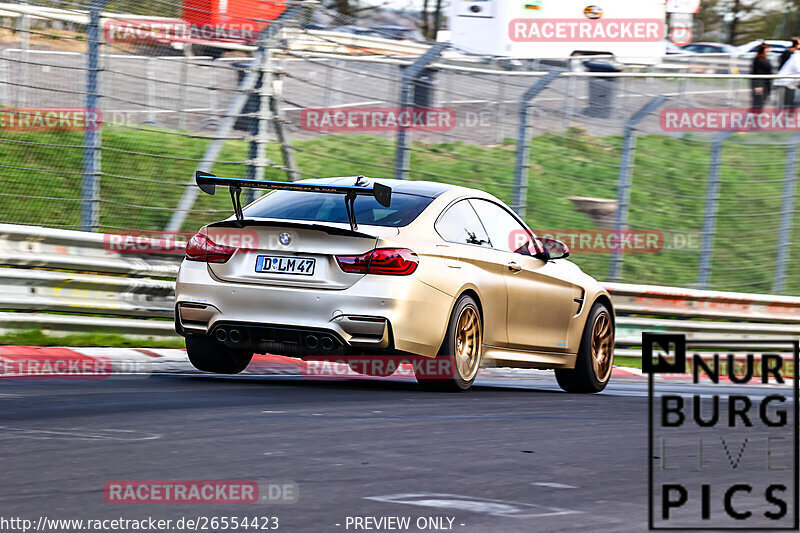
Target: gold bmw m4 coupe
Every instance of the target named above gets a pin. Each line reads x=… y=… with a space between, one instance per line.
x=349 y=266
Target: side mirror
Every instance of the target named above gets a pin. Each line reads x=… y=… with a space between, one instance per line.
x=550 y=249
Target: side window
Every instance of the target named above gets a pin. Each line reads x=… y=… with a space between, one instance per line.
x=460 y=225
x=505 y=232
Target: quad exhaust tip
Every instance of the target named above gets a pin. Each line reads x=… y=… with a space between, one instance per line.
x=222 y=335
x=325 y=342
x=312 y=341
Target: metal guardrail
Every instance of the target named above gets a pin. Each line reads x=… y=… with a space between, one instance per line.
x=690 y=303
x=35 y=246
x=46 y=271
x=53 y=279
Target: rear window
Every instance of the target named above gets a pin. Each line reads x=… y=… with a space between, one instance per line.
x=323 y=207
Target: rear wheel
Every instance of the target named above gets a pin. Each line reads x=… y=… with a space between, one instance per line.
x=459 y=359
x=210 y=356
x=595 y=356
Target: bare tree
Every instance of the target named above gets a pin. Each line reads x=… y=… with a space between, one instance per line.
x=426 y=25
x=790 y=23
x=741 y=14
x=437 y=18
x=343 y=6
x=708 y=21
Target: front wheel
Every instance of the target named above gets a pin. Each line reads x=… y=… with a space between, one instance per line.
x=459 y=359
x=210 y=356
x=595 y=356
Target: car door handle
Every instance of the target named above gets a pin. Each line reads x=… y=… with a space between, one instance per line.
x=514 y=267
x=450 y=261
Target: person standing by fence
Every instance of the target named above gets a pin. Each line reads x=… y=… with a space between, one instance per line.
x=790 y=68
x=761 y=87
x=786 y=54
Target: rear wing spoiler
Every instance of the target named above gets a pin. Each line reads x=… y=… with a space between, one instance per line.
x=382 y=193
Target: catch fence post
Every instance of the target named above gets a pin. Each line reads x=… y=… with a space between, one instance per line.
x=183 y=86
x=501 y=108
x=24 y=28
x=150 y=89
x=712 y=204
x=213 y=87
x=279 y=122
x=520 y=193
x=787 y=208
x=5 y=77
x=410 y=74
x=326 y=100
x=90 y=186
x=624 y=181
x=569 y=96
x=259 y=126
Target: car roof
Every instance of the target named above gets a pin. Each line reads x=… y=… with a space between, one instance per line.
x=771 y=42
x=428 y=189
x=704 y=43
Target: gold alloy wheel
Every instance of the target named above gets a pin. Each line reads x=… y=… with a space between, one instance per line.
x=602 y=346
x=468 y=343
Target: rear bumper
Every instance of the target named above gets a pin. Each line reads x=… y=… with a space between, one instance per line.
x=280 y=339
x=375 y=313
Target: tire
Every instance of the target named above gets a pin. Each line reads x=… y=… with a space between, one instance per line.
x=210 y=356
x=455 y=367
x=595 y=358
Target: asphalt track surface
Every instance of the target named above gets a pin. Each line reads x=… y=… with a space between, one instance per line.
x=513 y=454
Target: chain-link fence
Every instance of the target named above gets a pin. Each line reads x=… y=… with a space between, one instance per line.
x=584 y=156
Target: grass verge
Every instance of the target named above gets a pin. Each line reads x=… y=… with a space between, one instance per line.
x=110 y=340
x=146 y=171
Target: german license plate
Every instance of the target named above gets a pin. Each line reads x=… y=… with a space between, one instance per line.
x=285 y=265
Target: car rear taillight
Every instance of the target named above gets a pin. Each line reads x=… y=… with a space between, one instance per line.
x=387 y=261
x=201 y=248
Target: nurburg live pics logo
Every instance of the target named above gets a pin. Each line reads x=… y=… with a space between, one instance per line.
x=723 y=449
